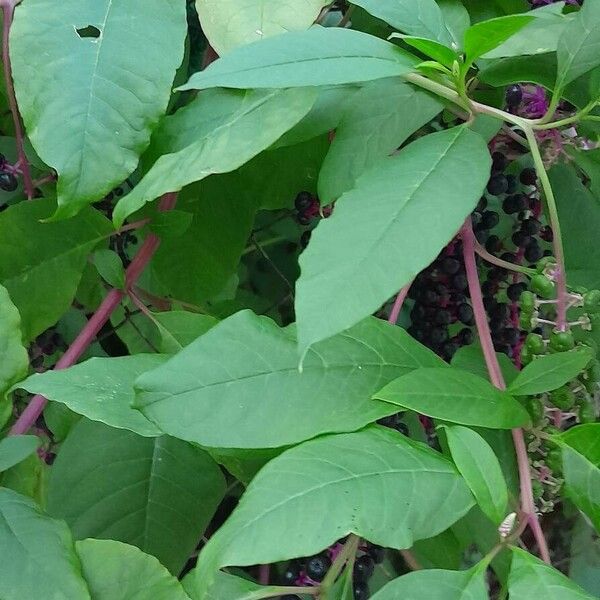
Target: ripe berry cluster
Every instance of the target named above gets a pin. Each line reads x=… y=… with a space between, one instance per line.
x=312 y=570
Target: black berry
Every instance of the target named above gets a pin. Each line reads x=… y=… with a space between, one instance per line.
x=450 y=266
x=8 y=182
x=291 y=573
x=489 y=219
x=361 y=591
x=515 y=290
x=514 y=204
x=465 y=314
x=363 y=568
x=528 y=177
x=514 y=96
x=499 y=162
x=533 y=253
x=303 y=201
x=317 y=567
x=497 y=185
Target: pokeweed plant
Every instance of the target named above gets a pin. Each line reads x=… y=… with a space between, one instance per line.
x=211 y=385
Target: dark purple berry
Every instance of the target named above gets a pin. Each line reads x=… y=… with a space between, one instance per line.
x=514 y=96
x=459 y=282
x=510 y=336
x=514 y=204
x=449 y=349
x=361 y=591
x=364 y=568
x=533 y=253
x=438 y=336
x=493 y=244
x=528 y=177
x=291 y=573
x=317 y=567
x=8 y=182
x=465 y=314
x=497 y=185
x=303 y=220
x=443 y=317
x=430 y=297
x=390 y=421
x=547 y=234
x=489 y=219
x=466 y=336
x=500 y=312
x=508 y=257
x=513 y=184
x=303 y=201
x=450 y=266
x=521 y=240
x=499 y=162
x=531 y=226
x=515 y=290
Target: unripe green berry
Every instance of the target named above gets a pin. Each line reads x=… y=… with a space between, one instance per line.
x=527 y=301
x=587 y=413
x=562 y=341
x=535 y=407
x=544 y=262
x=563 y=398
x=535 y=343
x=591 y=301
x=553 y=460
x=542 y=286
x=526 y=356
x=537 y=488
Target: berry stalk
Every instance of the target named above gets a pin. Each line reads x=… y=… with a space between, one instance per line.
x=398 y=303
x=496 y=377
x=87 y=335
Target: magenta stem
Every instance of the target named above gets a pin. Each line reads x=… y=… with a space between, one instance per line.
x=398 y=303
x=496 y=377
x=87 y=335
x=264 y=574
x=8 y=9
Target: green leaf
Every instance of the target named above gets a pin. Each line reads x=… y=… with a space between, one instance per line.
x=29 y=478
x=15 y=360
x=245 y=372
x=158 y=494
x=579 y=214
x=117 y=571
x=41 y=270
x=422 y=18
x=90 y=103
x=350 y=478
x=100 y=389
x=179 y=328
x=456 y=396
x=457 y=19
x=231 y=23
x=38 y=558
x=579 y=45
x=478 y=464
x=418 y=200
x=171 y=224
x=589 y=162
x=551 y=371
x=16 y=448
x=584 y=567
x=470 y=358
x=532 y=578
x=110 y=268
x=581 y=468
x=436 y=584
x=440 y=53
x=483 y=37
x=262 y=117
x=319 y=56
x=371 y=129
x=227 y=587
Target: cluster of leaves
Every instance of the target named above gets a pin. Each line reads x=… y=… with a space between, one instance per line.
x=218 y=238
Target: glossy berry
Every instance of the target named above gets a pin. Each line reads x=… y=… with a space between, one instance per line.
x=361 y=591
x=465 y=336
x=364 y=567
x=317 y=567
x=591 y=301
x=493 y=244
x=465 y=314
x=497 y=185
x=489 y=219
x=303 y=201
x=514 y=96
x=291 y=573
x=528 y=177
x=8 y=182
x=450 y=266
x=513 y=184
x=542 y=286
x=531 y=226
x=563 y=398
x=460 y=282
x=535 y=343
x=514 y=291
x=499 y=162
x=514 y=204
x=533 y=253
x=510 y=336
x=562 y=341
x=521 y=240
x=443 y=317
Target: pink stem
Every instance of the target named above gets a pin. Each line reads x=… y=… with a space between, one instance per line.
x=400 y=298
x=8 y=9
x=496 y=377
x=87 y=335
x=263 y=575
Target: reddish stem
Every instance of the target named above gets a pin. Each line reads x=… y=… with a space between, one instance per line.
x=87 y=335
x=399 y=302
x=264 y=574
x=496 y=377
x=8 y=9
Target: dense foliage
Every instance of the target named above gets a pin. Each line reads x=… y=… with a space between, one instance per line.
x=300 y=299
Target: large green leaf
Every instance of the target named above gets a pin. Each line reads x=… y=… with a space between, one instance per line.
x=16 y=448
x=90 y=103
x=179 y=328
x=579 y=214
x=435 y=584
x=228 y=587
x=42 y=267
x=333 y=486
x=457 y=19
x=378 y=119
x=29 y=478
x=470 y=358
x=262 y=117
x=422 y=18
x=100 y=389
x=579 y=45
x=155 y=493
x=531 y=578
x=456 y=396
x=584 y=567
x=479 y=466
x=581 y=468
x=15 y=360
x=396 y=220
x=319 y=56
x=239 y=386
x=232 y=23
x=38 y=558
x=117 y=571
x=549 y=372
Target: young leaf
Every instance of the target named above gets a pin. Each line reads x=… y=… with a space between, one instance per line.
x=38 y=558
x=478 y=464
x=239 y=385
x=440 y=53
x=90 y=102
x=470 y=358
x=455 y=396
x=158 y=494
x=483 y=37
x=231 y=23
x=263 y=117
x=15 y=360
x=549 y=372
x=100 y=389
x=532 y=578
x=367 y=250
x=422 y=18
x=457 y=19
x=349 y=477
x=41 y=270
x=319 y=56
x=110 y=268
x=117 y=571
x=28 y=478
x=437 y=585
x=16 y=448
x=179 y=328
x=579 y=45
x=371 y=129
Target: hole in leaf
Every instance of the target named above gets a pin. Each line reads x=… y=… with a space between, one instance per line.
x=88 y=32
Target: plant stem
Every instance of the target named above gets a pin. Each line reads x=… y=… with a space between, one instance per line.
x=8 y=9
x=277 y=591
x=87 y=335
x=410 y=560
x=349 y=549
x=398 y=303
x=496 y=377
x=264 y=572
x=561 y=280
x=494 y=260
